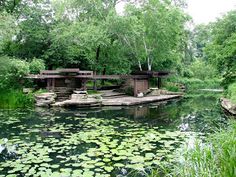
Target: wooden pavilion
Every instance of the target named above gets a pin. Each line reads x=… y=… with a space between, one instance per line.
x=64 y=81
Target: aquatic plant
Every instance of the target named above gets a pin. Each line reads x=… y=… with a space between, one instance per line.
x=12 y=99
x=215 y=157
x=91 y=147
x=78 y=142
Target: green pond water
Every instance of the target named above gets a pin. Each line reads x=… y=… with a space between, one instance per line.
x=108 y=141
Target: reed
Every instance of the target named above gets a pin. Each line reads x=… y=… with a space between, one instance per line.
x=214 y=158
x=13 y=99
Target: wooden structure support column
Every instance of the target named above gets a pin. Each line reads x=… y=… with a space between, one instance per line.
x=159 y=84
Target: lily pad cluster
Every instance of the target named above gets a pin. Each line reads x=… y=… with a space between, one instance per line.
x=79 y=146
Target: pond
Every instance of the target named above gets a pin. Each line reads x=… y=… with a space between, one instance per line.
x=108 y=141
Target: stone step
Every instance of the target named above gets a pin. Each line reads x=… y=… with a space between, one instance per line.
x=61 y=94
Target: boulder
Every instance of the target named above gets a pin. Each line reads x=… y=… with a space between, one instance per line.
x=228 y=106
x=154 y=92
x=45 y=99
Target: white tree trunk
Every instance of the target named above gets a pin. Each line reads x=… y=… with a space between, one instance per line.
x=140 y=66
x=149 y=67
x=149 y=63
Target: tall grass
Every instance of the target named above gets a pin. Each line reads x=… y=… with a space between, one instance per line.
x=231 y=92
x=214 y=158
x=194 y=84
x=12 y=99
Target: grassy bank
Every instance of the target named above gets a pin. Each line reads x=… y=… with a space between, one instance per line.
x=214 y=158
x=194 y=84
x=12 y=99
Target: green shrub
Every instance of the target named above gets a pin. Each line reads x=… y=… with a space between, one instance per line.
x=231 y=92
x=12 y=72
x=194 y=84
x=171 y=87
x=229 y=77
x=36 y=65
x=12 y=99
x=188 y=73
x=202 y=70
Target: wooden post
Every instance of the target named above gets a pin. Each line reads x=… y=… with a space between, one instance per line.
x=84 y=81
x=159 y=82
x=53 y=84
x=95 y=84
x=135 y=88
x=48 y=84
x=95 y=81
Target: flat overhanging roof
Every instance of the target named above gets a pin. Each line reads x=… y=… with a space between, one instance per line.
x=77 y=73
x=87 y=77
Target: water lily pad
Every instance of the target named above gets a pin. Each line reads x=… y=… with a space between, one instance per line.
x=108 y=169
x=100 y=164
x=55 y=166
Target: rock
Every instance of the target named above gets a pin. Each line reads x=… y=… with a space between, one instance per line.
x=80 y=100
x=78 y=96
x=80 y=92
x=163 y=92
x=228 y=106
x=95 y=96
x=47 y=95
x=27 y=90
x=154 y=92
x=45 y=99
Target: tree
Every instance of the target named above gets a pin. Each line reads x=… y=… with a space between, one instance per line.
x=153 y=33
x=221 y=51
x=7 y=28
x=84 y=36
x=34 y=22
x=201 y=37
x=9 y=5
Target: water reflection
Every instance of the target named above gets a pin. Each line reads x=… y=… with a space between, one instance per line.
x=198 y=114
x=108 y=132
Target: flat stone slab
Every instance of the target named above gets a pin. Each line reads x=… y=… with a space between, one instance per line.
x=110 y=93
x=78 y=103
x=128 y=100
x=48 y=95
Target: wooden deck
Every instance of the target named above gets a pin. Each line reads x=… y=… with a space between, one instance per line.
x=129 y=100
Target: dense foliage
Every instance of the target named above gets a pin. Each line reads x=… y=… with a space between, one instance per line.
x=231 y=92
x=91 y=35
x=12 y=71
x=221 y=51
